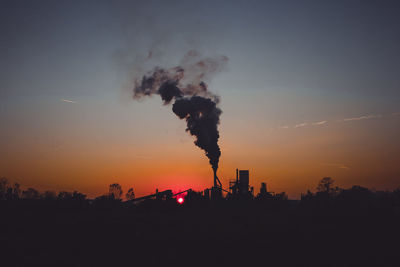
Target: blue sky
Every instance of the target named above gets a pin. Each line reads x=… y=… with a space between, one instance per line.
x=291 y=63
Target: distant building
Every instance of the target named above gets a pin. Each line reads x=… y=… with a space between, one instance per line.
x=239 y=188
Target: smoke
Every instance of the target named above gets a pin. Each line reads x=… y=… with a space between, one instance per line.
x=202 y=117
x=185 y=86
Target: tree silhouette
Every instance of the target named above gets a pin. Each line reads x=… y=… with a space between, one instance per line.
x=8 y=192
x=130 y=194
x=49 y=195
x=63 y=195
x=326 y=186
x=30 y=193
x=3 y=188
x=16 y=191
x=281 y=196
x=115 y=191
x=78 y=196
x=355 y=198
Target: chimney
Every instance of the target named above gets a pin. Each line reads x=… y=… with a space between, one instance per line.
x=237 y=175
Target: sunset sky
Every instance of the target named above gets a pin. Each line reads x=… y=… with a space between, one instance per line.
x=311 y=89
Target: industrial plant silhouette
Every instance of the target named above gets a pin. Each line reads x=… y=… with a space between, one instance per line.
x=218 y=226
x=215 y=227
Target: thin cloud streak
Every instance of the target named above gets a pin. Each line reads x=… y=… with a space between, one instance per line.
x=68 y=101
x=310 y=124
x=301 y=125
x=319 y=123
x=362 y=118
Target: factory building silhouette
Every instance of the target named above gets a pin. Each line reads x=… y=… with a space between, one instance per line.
x=239 y=189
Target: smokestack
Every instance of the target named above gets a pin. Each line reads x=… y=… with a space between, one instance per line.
x=217 y=182
x=215 y=178
x=237 y=175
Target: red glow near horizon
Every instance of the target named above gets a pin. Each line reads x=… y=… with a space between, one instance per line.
x=180 y=200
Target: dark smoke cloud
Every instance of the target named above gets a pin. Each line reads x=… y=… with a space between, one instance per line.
x=202 y=117
x=185 y=85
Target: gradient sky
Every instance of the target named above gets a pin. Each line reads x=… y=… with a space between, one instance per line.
x=312 y=89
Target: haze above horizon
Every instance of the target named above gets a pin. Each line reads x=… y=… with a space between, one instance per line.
x=311 y=89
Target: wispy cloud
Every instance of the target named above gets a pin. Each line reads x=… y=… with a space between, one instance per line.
x=319 y=123
x=337 y=165
x=362 y=118
x=301 y=125
x=323 y=122
x=310 y=124
x=68 y=101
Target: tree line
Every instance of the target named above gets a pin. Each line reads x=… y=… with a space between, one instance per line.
x=356 y=199
x=12 y=191
x=327 y=197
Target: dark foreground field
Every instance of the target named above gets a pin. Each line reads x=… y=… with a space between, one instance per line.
x=222 y=234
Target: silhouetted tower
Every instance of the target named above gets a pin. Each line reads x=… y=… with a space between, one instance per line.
x=216 y=190
x=263 y=189
x=243 y=183
x=240 y=187
x=264 y=194
x=217 y=182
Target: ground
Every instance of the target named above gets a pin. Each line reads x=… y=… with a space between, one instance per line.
x=205 y=235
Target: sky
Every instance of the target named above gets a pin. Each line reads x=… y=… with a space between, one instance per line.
x=311 y=89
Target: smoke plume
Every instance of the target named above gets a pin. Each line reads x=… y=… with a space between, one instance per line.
x=186 y=87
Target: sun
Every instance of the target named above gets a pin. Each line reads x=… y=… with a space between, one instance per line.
x=180 y=200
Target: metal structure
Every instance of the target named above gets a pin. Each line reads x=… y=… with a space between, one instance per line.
x=239 y=188
x=216 y=190
x=163 y=195
x=217 y=182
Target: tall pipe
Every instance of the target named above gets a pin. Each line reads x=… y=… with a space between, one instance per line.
x=217 y=182
x=215 y=178
x=237 y=175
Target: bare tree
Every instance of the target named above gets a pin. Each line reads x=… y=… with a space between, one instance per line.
x=115 y=191
x=130 y=195
x=8 y=191
x=326 y=186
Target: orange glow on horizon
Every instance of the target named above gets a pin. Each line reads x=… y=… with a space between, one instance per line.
x=287 y=160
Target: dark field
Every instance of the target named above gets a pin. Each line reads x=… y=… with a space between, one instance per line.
x=39 y=233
